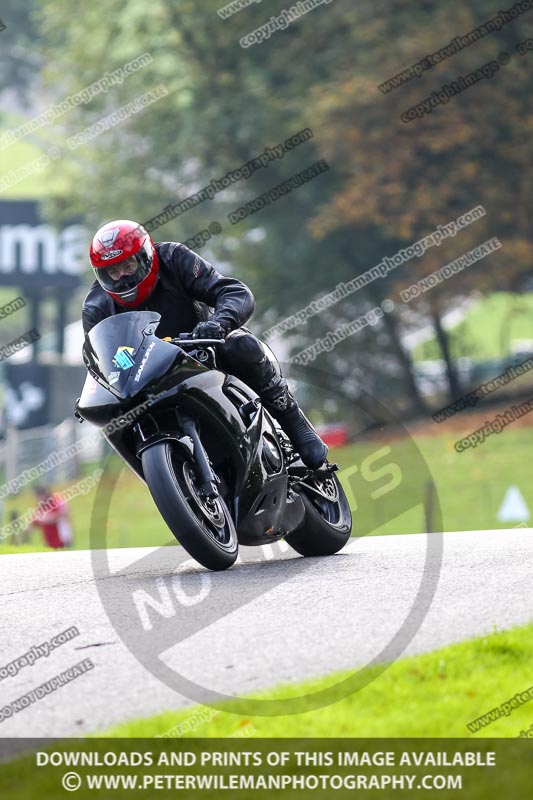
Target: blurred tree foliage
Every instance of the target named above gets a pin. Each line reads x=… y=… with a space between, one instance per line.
x=411 y=177
x=389 y=183
x=19 y=63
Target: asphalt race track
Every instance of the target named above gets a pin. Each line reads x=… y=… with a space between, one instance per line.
x=274 y=620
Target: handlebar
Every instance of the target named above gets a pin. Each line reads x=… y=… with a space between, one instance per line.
x=186 y=338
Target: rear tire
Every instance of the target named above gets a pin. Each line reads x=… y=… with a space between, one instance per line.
x=204 y=528
x=327 y=524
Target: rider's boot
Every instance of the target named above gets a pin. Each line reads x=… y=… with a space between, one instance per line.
x=279 y=401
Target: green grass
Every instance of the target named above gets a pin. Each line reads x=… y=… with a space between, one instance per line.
x=133 y=519
x=487 y=330
x=40 y=184
x=12 y=550
x=470 y=487
x=431 y=695
x=36 y=185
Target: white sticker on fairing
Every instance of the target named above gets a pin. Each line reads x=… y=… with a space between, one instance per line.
x=143 y=362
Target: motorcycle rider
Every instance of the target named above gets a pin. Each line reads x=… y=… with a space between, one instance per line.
x=133 y=272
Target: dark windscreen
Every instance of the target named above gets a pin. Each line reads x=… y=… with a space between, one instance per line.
x=114 y=342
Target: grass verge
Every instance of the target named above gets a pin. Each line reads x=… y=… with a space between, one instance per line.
x=470 y=488
x=431 y=695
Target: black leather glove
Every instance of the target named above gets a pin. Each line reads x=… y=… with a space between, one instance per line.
x=209 y=330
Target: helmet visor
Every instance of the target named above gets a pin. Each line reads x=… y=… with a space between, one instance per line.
x=124 y=277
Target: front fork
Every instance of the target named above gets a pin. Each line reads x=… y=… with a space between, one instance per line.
x=208 y=479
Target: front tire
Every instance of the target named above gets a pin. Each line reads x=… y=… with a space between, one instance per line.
x=327 y=524
x=203 y=527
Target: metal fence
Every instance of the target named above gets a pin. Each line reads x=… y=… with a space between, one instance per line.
x=51 y=454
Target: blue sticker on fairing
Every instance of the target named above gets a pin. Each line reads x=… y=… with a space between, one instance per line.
x=123 y=358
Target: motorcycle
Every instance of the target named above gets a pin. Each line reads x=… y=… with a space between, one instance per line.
x=220 y=469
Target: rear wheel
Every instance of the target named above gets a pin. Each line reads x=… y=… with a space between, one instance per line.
x=203 y=526
x=327 y=524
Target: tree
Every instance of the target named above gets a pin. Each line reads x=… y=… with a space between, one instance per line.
x=410 y=177
x=388 y=184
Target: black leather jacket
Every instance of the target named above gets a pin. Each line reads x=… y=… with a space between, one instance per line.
x=187 y=287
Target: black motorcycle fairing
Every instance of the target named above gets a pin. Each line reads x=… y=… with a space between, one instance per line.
x=222 y=427
x=236 y=433
x=253 y=471
x=268 y=508
x=96 y=403
x=135 y=363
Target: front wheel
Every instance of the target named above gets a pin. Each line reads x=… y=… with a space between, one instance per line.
x=203 y=526
x=327 y=524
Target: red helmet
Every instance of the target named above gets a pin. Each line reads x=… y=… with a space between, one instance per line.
x=125 y=261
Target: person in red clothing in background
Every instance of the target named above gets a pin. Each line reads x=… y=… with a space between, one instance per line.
x=52 y=517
